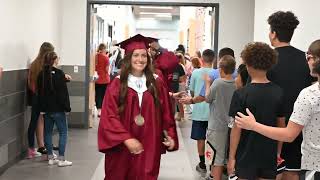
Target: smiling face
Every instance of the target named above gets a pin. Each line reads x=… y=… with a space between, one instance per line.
x=139 y=61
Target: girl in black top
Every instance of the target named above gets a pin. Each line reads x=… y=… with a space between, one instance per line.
x=54 y=103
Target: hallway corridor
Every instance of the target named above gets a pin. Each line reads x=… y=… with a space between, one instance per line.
x=88 y=163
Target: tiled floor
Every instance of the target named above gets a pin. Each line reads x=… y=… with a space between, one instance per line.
x=88 y=162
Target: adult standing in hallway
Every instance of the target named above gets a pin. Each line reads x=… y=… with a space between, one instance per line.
x=102 y=69
x=164 y=61
x=292 y=74
x=36 y=123
x=136 y=124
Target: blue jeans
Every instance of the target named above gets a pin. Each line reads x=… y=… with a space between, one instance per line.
x=61 y=122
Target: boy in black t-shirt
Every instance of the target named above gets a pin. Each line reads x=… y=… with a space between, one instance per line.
x=252 y=155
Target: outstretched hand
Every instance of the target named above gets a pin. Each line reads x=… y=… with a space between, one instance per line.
x=245 y=122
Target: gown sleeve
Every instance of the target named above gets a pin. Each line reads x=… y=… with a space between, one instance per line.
x=111 y=131
x=168 y=121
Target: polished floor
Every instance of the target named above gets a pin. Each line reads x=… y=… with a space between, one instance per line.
x=88 y=162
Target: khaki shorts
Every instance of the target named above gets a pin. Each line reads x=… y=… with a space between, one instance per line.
x=218 y=140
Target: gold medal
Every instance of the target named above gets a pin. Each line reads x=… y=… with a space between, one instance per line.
x=139 y=120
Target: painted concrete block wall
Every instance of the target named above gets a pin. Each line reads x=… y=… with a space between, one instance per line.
x=25 y=26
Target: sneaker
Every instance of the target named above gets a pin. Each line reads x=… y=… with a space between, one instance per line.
x=42 y=150
x=55 y=148
x=232 y=177
x=64 y=163
x=281 y=165
x=201 y=169
x=53 y=161
x=208 y=177
x=32 y=153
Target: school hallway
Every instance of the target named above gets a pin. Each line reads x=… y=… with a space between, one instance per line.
x=88 y=163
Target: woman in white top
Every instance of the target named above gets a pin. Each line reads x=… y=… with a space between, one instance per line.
x=305 y=118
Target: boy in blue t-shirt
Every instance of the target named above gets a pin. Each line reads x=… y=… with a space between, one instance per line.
x=200 y=112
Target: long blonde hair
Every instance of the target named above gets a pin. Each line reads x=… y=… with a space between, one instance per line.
x=36 y=65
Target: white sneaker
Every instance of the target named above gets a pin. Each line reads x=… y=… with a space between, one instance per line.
x=54 y=155
x=53 y=161
x=64 y=163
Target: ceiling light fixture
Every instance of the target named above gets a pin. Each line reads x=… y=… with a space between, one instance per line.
x=155 y=13
x=156 y=7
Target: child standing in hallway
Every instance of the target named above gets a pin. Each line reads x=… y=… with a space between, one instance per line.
x=36 y=123
x=252 y=155
x=200 y=112
x=219 y=98
x=54 y=104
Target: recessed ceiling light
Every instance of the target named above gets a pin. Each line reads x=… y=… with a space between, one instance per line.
x=156 y=7
x=155 y=13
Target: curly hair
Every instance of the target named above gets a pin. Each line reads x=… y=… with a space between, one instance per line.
x=259 y=55
x=283 y=24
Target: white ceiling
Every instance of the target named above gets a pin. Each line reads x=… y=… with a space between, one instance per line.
x=156 y=12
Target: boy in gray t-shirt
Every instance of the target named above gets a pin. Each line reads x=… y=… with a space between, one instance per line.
x=219 y=97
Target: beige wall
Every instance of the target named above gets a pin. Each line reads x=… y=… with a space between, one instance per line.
x=306 y=11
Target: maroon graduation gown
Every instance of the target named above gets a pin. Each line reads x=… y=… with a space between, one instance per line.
x=114 y=129
x=166 y=62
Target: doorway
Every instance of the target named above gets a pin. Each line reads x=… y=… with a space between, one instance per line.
x=194 y=33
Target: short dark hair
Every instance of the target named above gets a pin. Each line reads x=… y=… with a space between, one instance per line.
x=227 y=64
x=181 y=49
x=283 y=24
x=259 y=55
x=208 y=56
x=226 y=51
x=243 y=72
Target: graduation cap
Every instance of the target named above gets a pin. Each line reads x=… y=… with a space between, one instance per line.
x=136 y=42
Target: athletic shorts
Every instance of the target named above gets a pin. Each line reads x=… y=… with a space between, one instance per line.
x=254 y=173
x=218 y=140
x=291 y=153
x=199 y=130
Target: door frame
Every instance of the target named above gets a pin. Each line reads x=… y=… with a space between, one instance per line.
x=90 y=3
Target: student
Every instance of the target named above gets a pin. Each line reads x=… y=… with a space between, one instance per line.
x=214 y=74
x=305 y=118
x=54 y=103
x=219 y=98
x=242 y=76
x=251 y=155
x=136 y=124
x=292 y=74
x=36 y=124
x=102 y=69
x=200 y=111
x=178 y=84
x=164 y=61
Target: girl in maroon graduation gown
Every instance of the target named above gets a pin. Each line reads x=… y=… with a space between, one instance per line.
x=136 y=124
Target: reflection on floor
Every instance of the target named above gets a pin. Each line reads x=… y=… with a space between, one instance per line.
x=88 y=162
